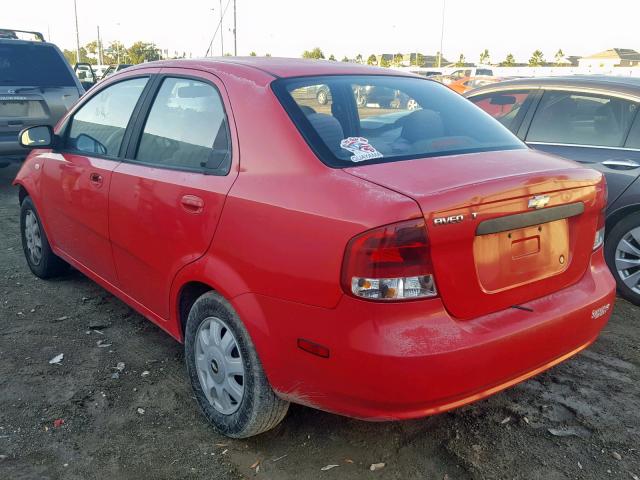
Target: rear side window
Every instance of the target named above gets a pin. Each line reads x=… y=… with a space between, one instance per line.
x=186 y=128
x=98 y=126
x=375 y=118
x=506 y=107
x=33 y=66
x=582 y=119
x=633 y=140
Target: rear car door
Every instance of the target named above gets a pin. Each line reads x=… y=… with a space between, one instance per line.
x=167 y=195
x=509 y=107
x=76 y=179
x=590 y=128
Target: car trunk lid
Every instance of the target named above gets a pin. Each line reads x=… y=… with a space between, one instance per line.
x=501 y=224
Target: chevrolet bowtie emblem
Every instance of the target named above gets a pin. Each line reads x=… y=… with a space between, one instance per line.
x=539 y=201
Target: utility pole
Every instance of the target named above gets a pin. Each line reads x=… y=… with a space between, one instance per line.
x=235 y=38
x=75 y=11
x=221 y=32
x=444 y=2
x=99 y=47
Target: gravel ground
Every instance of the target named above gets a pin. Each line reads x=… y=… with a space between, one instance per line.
x=579 y=420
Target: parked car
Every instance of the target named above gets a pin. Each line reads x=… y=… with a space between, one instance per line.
x=27 y=95
x=466 y=84
x=111 y=69
x=383 y=267
x=593 y=120
x=86 y=74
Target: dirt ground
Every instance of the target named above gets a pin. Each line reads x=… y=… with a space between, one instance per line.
x=580 y=420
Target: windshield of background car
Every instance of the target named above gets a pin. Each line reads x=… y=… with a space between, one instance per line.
x=33 y=65
x=377 y=119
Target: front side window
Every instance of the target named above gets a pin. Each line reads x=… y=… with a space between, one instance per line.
x=376 y=118
x=582 y=119
x=98 y=126
x=186 y=128
x=506 y=107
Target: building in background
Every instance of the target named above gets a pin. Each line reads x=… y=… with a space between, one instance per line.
x=614 y=57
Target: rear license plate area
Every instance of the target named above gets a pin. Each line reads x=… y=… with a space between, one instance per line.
x=516 y=257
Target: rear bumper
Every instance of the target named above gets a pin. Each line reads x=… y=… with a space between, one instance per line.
x=10 y=149
x=405 y=360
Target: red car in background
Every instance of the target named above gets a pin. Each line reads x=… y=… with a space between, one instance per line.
x=378 y=263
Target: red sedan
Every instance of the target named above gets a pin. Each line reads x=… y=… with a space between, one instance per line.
x=381 y=263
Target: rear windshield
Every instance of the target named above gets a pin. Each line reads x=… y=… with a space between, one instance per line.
x=33 y=65
x=376 y=119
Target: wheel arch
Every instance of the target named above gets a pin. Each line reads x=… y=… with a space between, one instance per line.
x=618 y=215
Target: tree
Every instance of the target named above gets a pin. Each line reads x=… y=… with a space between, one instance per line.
x=461 y=61
x=359 y=58
x=116 y=52
x=559 y=57
x=372 y=60
x=419 y=60
x=398 y=58
x=484 y=57
x=252 y=54
x=345 y=59
x=332 y=58
x=71 y=55
x=537 y=59
x=143 y=52
x=510 y=61
x=315 y=54
x=384 y=62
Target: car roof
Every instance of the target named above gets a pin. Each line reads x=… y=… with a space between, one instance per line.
x=280 y=67
x=626 y=85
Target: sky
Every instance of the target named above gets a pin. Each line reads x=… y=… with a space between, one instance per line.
x=343 y=27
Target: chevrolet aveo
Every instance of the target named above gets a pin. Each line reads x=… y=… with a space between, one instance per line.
x=381 y=261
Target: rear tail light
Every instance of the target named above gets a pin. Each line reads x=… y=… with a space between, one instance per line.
x=604 y=193
x=390 y=263
x=599 y=238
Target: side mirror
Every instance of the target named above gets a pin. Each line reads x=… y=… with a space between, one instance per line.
x=88 y=144
x=36 y=137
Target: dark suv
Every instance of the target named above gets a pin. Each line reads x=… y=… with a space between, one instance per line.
x=37 y=86
x=593 y=120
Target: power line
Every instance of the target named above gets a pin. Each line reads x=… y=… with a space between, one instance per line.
x=216 y=32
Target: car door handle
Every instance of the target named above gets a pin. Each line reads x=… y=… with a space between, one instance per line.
x=95 y=179
x=192 y=203
x=621 y=164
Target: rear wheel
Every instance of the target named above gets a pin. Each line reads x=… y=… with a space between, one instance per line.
x=40 y=258
x=622 y=252
x=226 y=375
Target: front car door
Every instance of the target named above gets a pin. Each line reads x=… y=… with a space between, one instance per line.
x=76 y=178
x=590 y=128
x=167 y=195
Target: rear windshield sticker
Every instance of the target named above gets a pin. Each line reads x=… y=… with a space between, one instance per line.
x=360 y=148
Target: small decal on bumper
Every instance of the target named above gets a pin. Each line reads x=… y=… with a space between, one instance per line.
x=598 y=312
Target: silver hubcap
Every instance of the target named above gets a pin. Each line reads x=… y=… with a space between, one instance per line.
x=412 y=104
x=33 y=237
x=219 y=365
x=628 y=259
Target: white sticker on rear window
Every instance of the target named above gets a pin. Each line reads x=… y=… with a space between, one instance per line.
x=361 y=148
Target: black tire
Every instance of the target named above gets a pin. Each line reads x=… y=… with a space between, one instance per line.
x=48 y=264
x=618 y=232
x=259 y=409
